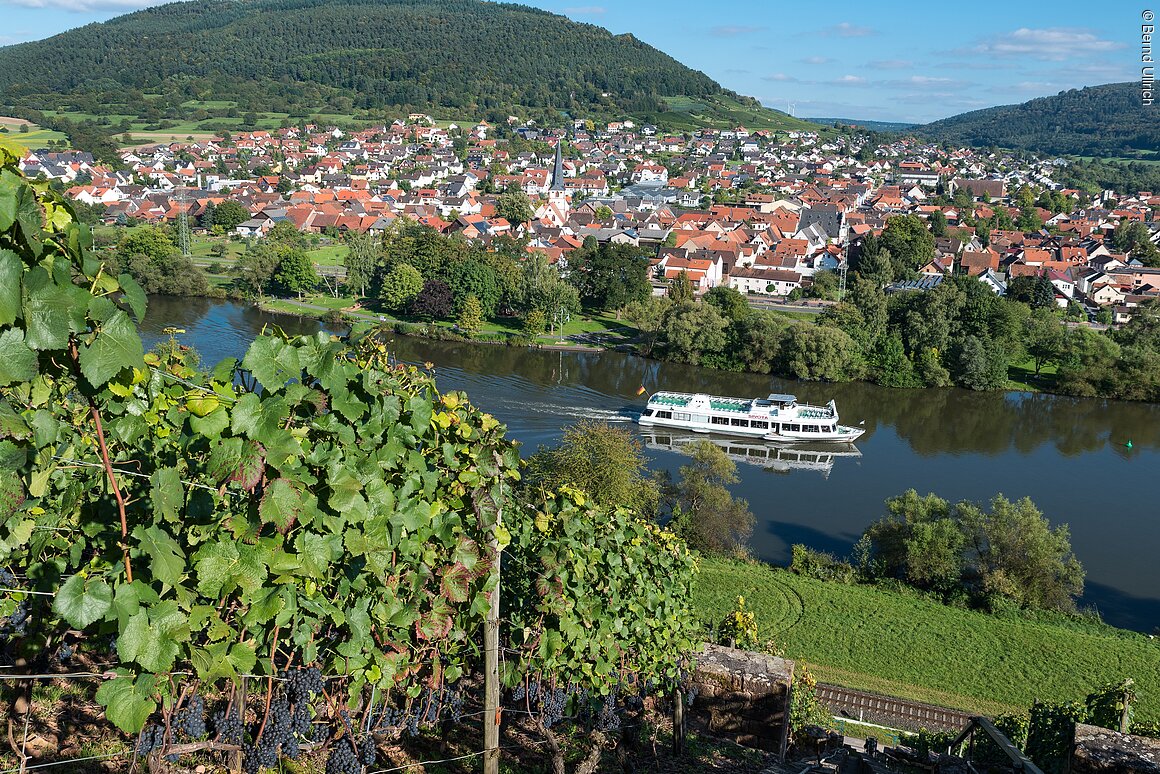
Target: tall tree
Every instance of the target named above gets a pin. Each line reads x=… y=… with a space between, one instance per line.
x=229 y=214
x=400 y=286
x=363 y=255
x=295 y=273
x=910 y=243
x=704 y=512
x=514 y=206
x=605 y=461
x=470 y=315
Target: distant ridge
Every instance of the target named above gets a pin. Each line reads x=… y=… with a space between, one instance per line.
x=1106 y=121
x=457 y=58
x=877 y=126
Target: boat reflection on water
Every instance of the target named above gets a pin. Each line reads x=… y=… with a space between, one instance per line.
x=779 y=458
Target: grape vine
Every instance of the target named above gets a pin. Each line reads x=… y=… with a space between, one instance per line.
x=315 y=504
x=294 y=551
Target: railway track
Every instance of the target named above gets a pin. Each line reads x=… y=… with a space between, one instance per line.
x=890 y=711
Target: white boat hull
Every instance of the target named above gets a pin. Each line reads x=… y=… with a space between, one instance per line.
x=776 y=419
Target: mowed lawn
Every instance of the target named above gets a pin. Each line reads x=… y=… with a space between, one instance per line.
x=893 y=643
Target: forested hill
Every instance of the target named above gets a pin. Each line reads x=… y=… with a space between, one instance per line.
x=468 y=59
x=1104 y=120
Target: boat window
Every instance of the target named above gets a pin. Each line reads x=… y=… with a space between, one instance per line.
x=647 y=413
x=759 y=424
x=735 y=422
x=774 y=426
x=700 y=418
x=793 y=428
x=664 y=415
x=719 y=420
x=682 y=417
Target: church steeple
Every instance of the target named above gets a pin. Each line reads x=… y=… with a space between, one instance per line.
x=558 y=171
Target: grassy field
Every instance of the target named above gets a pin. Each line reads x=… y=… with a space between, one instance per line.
x=897 y=644
x=35 y=137
x=726 y=113
x=1021 y=376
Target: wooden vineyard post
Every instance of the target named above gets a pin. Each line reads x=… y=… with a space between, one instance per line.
x=491 y=671
x=678 y=721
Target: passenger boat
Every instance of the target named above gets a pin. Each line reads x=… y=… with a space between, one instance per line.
x=775 y=418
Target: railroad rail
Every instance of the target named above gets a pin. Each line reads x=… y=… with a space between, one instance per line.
x=889 y=710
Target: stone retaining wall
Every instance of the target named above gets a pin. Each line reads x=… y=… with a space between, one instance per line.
x=744 y=696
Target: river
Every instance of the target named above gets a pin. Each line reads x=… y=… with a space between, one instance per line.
x=1071 y=456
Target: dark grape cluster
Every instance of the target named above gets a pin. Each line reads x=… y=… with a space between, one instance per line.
x=343 y=759
x=368 y=752
x=302 y=684
x=228 y=726
x=17 y=623
x=152 y=738
x=552 y=702
x=519 y=692
x=608 y=719
x=189 y=721
x=454 y=704
x=65 y=652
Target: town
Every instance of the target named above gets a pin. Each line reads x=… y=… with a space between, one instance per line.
x=762 y=212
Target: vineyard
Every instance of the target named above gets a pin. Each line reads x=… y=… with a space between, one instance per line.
x=902 y=645
x=298 y=553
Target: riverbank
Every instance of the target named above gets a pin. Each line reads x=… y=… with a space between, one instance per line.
x=585 y=334
x=899 y=644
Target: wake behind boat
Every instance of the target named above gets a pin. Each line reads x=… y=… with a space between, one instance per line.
x=776 y=418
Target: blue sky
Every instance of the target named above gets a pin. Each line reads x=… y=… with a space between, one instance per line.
x=900 y=61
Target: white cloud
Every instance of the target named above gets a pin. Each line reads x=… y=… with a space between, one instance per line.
x=925 y=82
x=780 y=78
x=848 y=80
x=86 y=5
x=733 y=30
x=1048 y=43
x=816 y=60
x=847 y=30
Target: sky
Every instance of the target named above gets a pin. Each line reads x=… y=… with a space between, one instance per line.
x=884 y=61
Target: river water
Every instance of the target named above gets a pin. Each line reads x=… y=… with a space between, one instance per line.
x=1071 y=456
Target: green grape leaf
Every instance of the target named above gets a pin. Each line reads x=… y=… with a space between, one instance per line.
x=10 y=270
x=212 y=425
x=272 y=362
x=133 y=295
x=116 y=346
x=48 y=315
x=168 y=494
x=148 y=643
x=81 y=600
x=282 y=504
x=128 y=703
x=166 y=559
x=243 y=657
x=9 y=187
x=224 y=565
x=17 y=361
